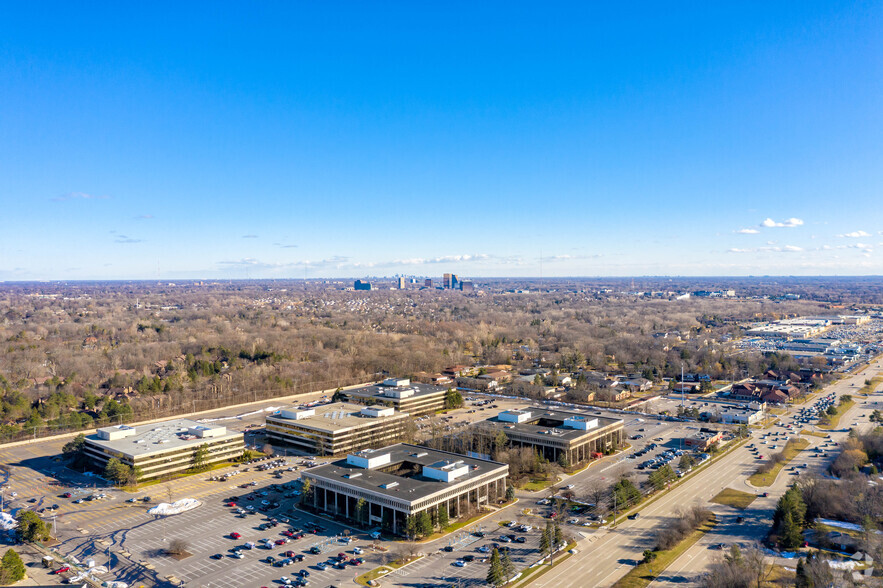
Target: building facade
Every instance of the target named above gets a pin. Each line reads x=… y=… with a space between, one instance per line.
x=163 y=448
x=400 y=394
x=404 y=480
x=554 y=433
x=336 y=428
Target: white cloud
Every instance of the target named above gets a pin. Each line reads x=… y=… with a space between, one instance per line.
x=442 y=259
x=748 y=231
x=792 y=248
x=78 y=196
x=855 y=235
x=737 y=250
x=789 y=223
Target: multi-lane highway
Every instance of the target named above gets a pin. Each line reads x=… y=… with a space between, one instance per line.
x=608 y=554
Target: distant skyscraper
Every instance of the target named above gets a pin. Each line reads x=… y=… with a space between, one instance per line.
x=454 y=282
x=360 y=285
x=401 y=283
x=467 y=286
x=428 y=282
x=446 y=281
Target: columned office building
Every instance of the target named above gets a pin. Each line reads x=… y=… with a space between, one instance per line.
x=404 y=480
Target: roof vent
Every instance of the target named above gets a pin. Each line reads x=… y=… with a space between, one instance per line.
x=389 y=485
x=351 y=476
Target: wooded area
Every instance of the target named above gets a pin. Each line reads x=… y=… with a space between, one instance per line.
x=81 y=354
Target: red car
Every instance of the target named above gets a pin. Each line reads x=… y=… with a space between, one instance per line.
x=62 y=570
x=357 y=562
x=66 y=495
x=289 y=554
x=342 y=556
x=235 y=535
x=281 y=541
x=231 y=504
x=288 y=533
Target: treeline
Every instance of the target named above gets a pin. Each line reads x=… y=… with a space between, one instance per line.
x=163 y=350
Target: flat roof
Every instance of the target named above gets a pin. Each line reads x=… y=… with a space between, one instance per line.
x=536 y=426
x=159 y=438
x=408 y=488
x=335 y=417
x=378 y=390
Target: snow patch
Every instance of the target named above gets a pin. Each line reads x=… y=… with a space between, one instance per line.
x=7 y=522
x=177 y=507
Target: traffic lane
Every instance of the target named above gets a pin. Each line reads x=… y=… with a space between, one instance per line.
x=617 y=553
x=758 y=518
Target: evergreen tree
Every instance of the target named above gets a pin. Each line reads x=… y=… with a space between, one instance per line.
x=362 y=511
x=508 y=567
x=510 y=493
x=411 y=526
x=802 y=578
x=443 y=520
x=31 y=527
x=200 y=458
x=546 y=541
x=306 y=496
x=557 y=535
x=424 y=523
x=790 y=534
x=495 y=570
x=12 y=568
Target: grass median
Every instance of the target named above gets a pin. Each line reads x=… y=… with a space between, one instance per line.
x=833 y=421
x=734 y=498
x=644 y=573
x=530 y=575
x=792 y=448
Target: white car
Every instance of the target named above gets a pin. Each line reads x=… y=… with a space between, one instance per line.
x=285 y=580
x=460 y=563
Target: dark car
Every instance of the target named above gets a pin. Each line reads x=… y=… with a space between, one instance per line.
x=520 y=540
x=468 y=558
x=218 y=556
x=633 y=516
x=448 y=548
x=270 y=559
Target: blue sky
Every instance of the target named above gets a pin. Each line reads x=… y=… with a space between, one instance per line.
x=325 y=139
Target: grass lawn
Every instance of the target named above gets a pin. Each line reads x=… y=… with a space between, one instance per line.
x=459 y=525
x=536 y=484
x=531 y=574
x=734 y=498
x=813 y=433
x=177 y=476
x=791 y=451
x=869 y=389
x=834 y=421
x=642 y=575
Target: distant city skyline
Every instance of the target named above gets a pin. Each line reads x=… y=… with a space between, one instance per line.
x=494 y=140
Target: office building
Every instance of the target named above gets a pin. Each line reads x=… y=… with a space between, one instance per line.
x=553 y=433
x=360 y=285
x=404 y=480
x=337 y=428
x=163 y=448
x=400 y=394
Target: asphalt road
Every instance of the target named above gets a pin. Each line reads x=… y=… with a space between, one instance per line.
x=608 y=554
